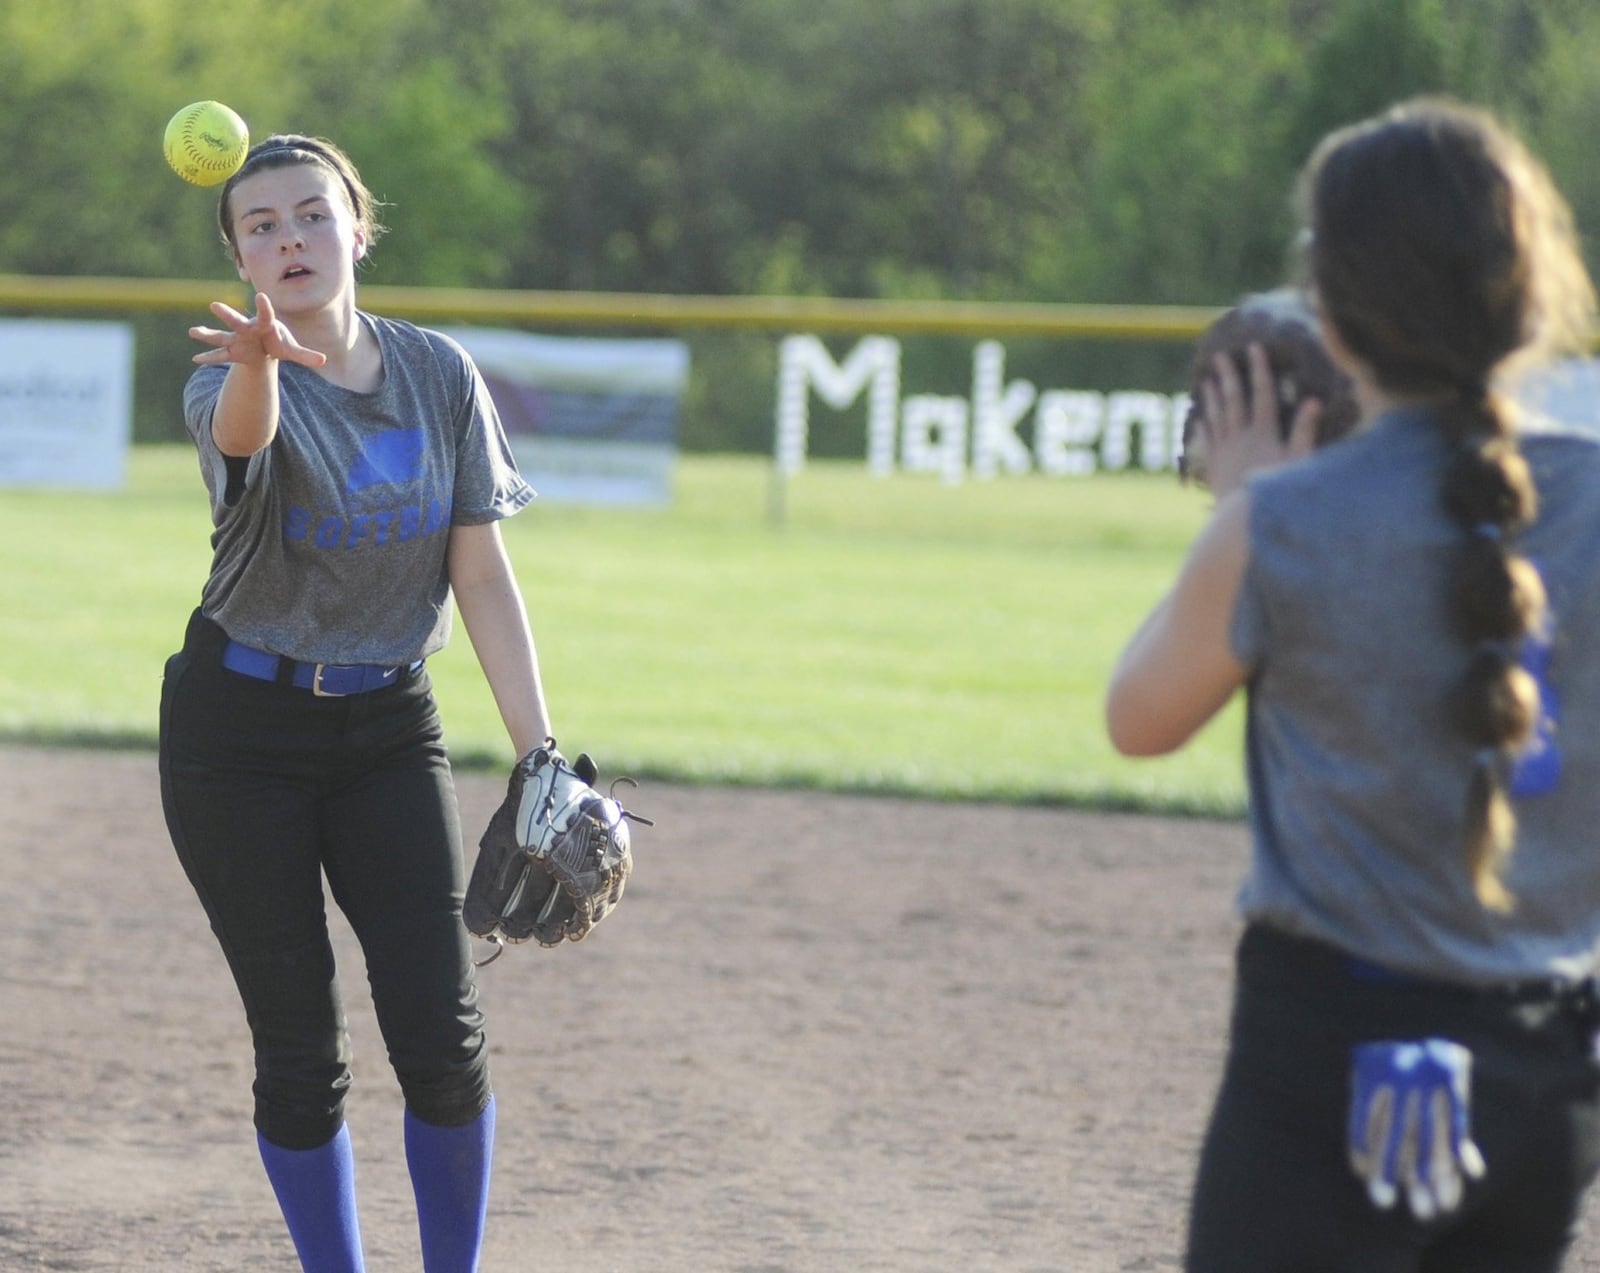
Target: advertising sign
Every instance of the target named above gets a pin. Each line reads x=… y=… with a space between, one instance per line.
x=591 y=421
x=66 y=403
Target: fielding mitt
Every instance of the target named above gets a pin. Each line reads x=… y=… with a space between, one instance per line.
x=555 y=857
x=1281 y=322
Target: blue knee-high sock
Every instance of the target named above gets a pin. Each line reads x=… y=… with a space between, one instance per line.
x=450 y=1177
x=316 y=1191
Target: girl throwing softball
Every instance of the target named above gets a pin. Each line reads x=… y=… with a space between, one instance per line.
x=357 y=472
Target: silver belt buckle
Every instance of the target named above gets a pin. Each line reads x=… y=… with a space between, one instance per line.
x=316 y=684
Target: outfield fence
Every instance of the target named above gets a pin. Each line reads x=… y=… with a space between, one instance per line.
x=1075 y=431
x=631 y=309
x=60 y=293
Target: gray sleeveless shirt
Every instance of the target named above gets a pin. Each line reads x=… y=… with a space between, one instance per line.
x=334 y=552
x=1358 y=779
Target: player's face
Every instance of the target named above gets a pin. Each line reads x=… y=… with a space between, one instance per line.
x=295 y=237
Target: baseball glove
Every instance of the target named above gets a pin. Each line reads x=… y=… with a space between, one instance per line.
x=1281 y=323
x=555 y=857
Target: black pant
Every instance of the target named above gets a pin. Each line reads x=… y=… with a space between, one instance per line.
x=1275 y=1192
x=266 y=788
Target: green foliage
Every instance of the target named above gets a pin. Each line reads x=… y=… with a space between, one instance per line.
x=1565 y=93
x=1375 y=53
x=889 y=635
x=1180 y=207
x=728 y=404
x=1059 y=150
x=441 y=135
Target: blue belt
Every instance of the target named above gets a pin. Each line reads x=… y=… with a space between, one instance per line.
x=1529 y=990
x=325 y=680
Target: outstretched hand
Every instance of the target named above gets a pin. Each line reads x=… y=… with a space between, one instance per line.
x=251 y=341
x=1241 y=426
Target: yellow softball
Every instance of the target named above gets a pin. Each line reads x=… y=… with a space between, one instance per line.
x=206 y=143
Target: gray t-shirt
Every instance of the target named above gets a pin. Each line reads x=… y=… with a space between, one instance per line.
x=334 y=551
x=1358 y=778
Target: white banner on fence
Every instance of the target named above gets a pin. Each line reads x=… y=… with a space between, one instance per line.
x=1568 y=392
x=591 y=421
x=66 y=403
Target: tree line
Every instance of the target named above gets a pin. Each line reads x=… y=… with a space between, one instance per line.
x=1121 y=151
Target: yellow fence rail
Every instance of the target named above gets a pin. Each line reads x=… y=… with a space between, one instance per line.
x=630 y=310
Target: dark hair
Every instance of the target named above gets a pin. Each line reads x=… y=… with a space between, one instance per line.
x=283 y=150
x=1442 y=255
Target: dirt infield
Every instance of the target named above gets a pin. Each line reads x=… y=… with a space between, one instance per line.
x=845 y=1052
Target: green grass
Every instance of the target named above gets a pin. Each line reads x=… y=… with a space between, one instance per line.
x=891 y=635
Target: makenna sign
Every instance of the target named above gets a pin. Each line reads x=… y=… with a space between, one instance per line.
x=1074 y=432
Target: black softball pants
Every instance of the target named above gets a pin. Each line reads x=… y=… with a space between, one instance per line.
x=1275 y=1192
x=268 y=788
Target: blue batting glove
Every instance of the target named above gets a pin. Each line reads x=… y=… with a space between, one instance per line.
x=1410 y=1123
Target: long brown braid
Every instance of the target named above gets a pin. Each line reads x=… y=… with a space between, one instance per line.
x=1443 y=256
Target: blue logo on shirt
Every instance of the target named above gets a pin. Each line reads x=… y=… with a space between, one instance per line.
x=392 y=458
x=388 y=459
x=379 y=527
x=1537 y=767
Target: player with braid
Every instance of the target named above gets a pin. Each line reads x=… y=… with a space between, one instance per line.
x=357 y=473
x=1414 y=614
